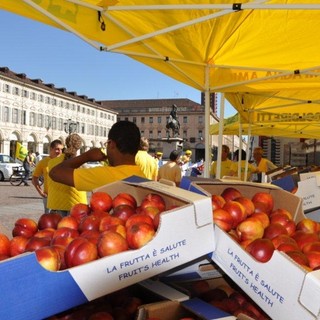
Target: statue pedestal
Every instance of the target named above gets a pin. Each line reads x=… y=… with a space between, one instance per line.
x=170 y=144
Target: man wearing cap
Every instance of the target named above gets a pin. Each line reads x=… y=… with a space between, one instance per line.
x=186 y=158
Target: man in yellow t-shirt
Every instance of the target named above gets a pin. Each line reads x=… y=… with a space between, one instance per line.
x=263 y=164
x=122 y=146
x=41 y=170
x=145 y=161
x=226 y=163
x=234 y=169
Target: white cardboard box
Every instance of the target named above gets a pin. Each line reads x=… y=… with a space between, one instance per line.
x=280 y=287
x=185 y=233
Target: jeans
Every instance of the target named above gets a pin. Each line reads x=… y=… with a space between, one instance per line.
x=64 y=213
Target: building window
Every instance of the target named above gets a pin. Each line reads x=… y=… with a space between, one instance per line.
x=142 y=133
x=184 y=135
x=47 y=122
x=32 y=119
x=61 y=104
x=6 y=114
x=54 y=123
x=40 y=98
x=54 y=101
x=40 y=120
x=60 y=124
x=150 y=119
x=150 y=134
x=126 y=118
x=33 y=96
x=15 y=115
x=185 y=119
x=15 y=91
x=6 y=88
x=200 y=134
x=159 y=119
x=24 y=117
x=25 y=93
x=200 y=119
x=48 y=100
x=142 y=120
x=134 y=119
x=82 y=128
x=67 y=105
x=159 y=134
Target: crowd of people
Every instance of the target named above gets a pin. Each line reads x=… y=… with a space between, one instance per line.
x=67 y=180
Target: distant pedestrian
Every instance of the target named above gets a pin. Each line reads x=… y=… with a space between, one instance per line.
x=158 y=157
x=186 y=158
x=61 y=198
x=263 y=164
x=27 y=165
x=171 y=170
x=146 y=162
x=42 y=170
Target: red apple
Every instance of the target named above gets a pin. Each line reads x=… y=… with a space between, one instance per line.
x=313 y=259
x=100 y=214
x=236 y=210
x=151 y=211
x=287 y=246
x=4 y=245
x=35 y=243
x=109 y=220
x=61 y=251
x=312 y=246
x=89 y=223
x=263 y=217
x=110 y=243
x=298 y=256
x=80 y=211
x=217 y=201
x=65 y=232
x=283 y=211
x=260 y=207
x=230 y=193
x=265 y=198
x=223 y=219
x=137 y=218
x=139 y=234
x=49 y=220
x=25 y=227
x=247 y=204
x=199 y=287
x=307 y=225
x=45 y=233
x=100 y=201
x=101 y=315
x=62 y=241
x=250 y=229
x=68 y=222
x=303 y=237
x=156 y=221
x=80 y=251
x=282 y=238
x=18 y=245
x=285 y=220
x=124 y=198
x=123 y=211
x=153 y=200
x=49 y=258
x=273 y=230
x=91 y=235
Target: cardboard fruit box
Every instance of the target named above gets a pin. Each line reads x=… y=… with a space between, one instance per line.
x=186 y=232
x=282 y=288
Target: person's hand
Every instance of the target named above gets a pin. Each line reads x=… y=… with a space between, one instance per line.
x=95 y=154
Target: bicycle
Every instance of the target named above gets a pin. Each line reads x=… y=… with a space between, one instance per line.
x=18 y=175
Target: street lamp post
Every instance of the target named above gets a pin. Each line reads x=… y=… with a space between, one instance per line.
x=70 y=126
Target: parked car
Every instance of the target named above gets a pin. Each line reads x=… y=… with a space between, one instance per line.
x=6 y=165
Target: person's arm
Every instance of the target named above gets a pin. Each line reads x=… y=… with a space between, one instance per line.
x=63 y=172
x=35 y=182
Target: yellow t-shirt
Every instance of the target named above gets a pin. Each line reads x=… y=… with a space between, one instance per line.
x=42 y=170
x=61 y=196
x=148 y=164
x=92 y=178
x=251 y=169
x=266 y=165
x=225 y=168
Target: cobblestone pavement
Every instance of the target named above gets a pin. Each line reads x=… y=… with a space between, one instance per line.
x=18 y=202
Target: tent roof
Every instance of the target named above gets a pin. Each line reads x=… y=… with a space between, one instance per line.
x=256 y=45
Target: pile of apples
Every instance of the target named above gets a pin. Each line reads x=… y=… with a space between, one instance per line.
x=260 y=228
x=104 y=227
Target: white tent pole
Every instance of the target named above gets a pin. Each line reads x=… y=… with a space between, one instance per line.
x=207 y=142
x=220 y=136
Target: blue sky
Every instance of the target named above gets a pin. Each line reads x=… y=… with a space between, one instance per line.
x=63 y=59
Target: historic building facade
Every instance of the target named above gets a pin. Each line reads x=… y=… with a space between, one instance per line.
x=34 y=113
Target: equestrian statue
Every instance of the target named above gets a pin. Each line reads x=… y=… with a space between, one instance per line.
x=173 y=123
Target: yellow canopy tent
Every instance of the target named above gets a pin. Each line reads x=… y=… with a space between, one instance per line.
x=255 y=46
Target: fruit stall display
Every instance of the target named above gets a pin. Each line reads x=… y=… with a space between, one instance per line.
x=128 y=233
x=265 y=243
